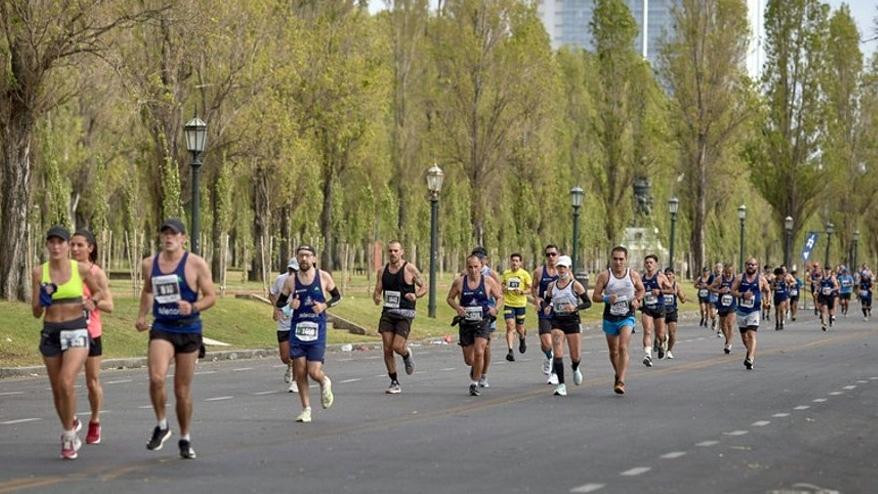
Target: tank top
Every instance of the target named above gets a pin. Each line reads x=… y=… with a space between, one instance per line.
x=847 y=283
x=827 y=287
x=865 y=282
x=670 y=299
x=167 y=290
x=794 y=291
x=623 y=289
x=651 y=300
x=69 y=292
x=545 y=281
x=755 y=303
x=726 y=300
x=395 y=289
x=780 y=288
x=92 y=317
x=561 y=298
x=475 y=301
x=306 y=326
x=703 y=283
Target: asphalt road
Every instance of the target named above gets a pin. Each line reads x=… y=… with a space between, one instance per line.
x=803 y=420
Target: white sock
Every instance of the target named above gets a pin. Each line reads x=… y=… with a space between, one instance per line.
x=473 y=383
x=163 y=424
x=648 y=351
x=185 y=437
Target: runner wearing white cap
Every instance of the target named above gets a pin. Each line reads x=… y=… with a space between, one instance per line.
x=565 y=297
x=282 y=316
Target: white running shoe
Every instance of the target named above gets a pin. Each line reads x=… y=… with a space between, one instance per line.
x=669 y=355
x=294 y=387
x=326 y=397
x=70 y=444
x=288 y=375
x=560 y=390
x=483 y=382
x=577 y=377
x=305 y=416
x=547 y=366
x=553 y=379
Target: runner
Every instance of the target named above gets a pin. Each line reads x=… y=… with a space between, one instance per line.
x=827 y=290
x=768 y=274
x=846 y=288
x=469 y=296
x=516 y=282
x=722 y=287
x=282 y=316
x=702 y=285
x=652 y=312
x=175 y=279
x=866 y=291
x=545 y=274
x=305 y=292
x=781 y=285
x=57 y=297
x=621 y=290
x=795 y=290
x=750 y=288
x=399 y=285
x=814 y=280
x=565 y=297
x=487 y=271
x=671 y=296
x=716 y=273
x=84 y=250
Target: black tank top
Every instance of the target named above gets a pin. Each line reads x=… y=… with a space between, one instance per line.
x=395 y=288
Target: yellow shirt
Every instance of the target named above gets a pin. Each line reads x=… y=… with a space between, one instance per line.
x=516 y=285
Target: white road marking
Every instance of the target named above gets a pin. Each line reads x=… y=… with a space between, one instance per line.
x=379 y=375
x=278 y=366
x=263 y=393
x=850 y=387
x=860 y=381
x=873 y=378
x=20 y=421
x=202 y=373
x=374 y=357
x=219 y=398
x=819 y=400
x=587 y=488
x=735 y=433
x=10 y=393
x=836 y=393
x=705 y=444
x=781 y=415
x=351 y=380
x=760 y=423
x=242 y=369
x=451 y=369
x=122 y=381
x=673 y=454
x=802 y=407
x=635 y=471
x=89 y=412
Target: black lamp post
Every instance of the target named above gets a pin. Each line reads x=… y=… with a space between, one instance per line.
x=788 y=240
x=576 y=196
x=742 y=215
x=854 y=252
x=830 y=229
x=434 y=185
x=673 y=207
x=196 y=136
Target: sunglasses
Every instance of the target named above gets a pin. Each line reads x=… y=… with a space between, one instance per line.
x=551 y=254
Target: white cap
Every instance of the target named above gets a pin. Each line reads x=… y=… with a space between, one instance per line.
x=293 y=264
x=564 y=261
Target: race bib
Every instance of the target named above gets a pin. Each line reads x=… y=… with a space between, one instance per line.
x=73 y=338
x=561 y=306
x=846 y=283
x=864 y=293
x=794 y=292
x=306 y=331
x=513 y=284
x=619 y=308
x=747 y=304
x=726 y=300
x=166 y=289
x=669 y=300
x=703 y=293
x=650 y=299
x=826 y=290
x=779 y=288
x=473 y=313
x=391 y=299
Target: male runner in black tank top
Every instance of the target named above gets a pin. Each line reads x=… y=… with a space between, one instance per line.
x=398 y=285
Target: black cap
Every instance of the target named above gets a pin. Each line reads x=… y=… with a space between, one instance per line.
x=306 y=247
x=58 y=231
x=174 y=224
x=85 y=232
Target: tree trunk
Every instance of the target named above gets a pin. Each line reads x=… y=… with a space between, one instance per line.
x=326 y=256
x=15 y=202
x=285 y=249
x=700 y=211
x=261 y=219
x=216 y=233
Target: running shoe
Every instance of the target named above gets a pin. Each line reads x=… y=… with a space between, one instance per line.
x=326 y=397
x=647 y=360
x=70 y=444
x=748 y=363
x=619 y=388
x=94 y=433
x=701 y=323
x=294 y=387
x=553 y=379
x=288 y=374
x=509 y=356
x=186 y=450
x=409 y=362
x=547 y=367
x=159 y=436
x=719 y=334
x=474 y=390
x=663 y=348
x=831 y=320
x=77 y=425
x=483 y=382
x=727 y=349
x=305 y=416
x=823 y=327
x=560 y=390
x=522 y=345
x=577 y=377
x=394 y=388
x=713 y=323
x=669 y=355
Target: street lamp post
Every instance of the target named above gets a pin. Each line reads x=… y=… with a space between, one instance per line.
x=742 y=215
x=830 y=229
x=854 y=251
x=434 y=185
x=576 y=195
x=196 y=134
x=673 y=206
x=788 y=240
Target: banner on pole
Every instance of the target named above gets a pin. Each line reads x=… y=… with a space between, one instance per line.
x=810 y=242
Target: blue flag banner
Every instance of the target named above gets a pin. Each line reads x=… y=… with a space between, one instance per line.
x=810 y=242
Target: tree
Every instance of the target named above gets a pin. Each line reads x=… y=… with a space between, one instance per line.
x=702 y=64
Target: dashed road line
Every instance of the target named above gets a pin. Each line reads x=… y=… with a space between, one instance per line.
x=802 y=407
x=121 y=381
x=20 y=421
x=673 y=454
x=861 y=381
x=635 y=471
x=204 y=373
x=819 y=400
x=447 y=369
x=707 y=444
x=242 y=369
x=353 y=380
x=219 y=398
x=835 y=393
x=263 y=393
x=760 y=423
x=588 y=488
x=735 y=433
x=11 y=393
x=849 y=387
x=778 y=415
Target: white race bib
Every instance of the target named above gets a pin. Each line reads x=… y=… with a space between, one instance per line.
x=473 y=313
x=669 y=300
x=307 y=331
x=650 y=299
x=794 y=292
x=726 y=300
x=826 y=290
x=864 y=293
x=166 y=289
x=513 y=284
x=747 y=304
x=73 y=338
x=703 y=293
x=619 y=308
x=391 y=299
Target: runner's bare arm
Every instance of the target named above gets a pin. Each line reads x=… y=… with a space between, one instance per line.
x=379 y=286
x=453 y=293
x=205 y=286
x=597 y=295
x=535 y=288
x=418 y=281
x=639 y=289
x=36 y=307
x=145 y=295
x=494 y=288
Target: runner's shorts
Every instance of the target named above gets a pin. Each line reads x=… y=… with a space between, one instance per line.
x=613 y=328
x=468 y=332
x=58 y=337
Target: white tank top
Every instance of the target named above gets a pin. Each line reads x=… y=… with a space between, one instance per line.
x=623 y=289
x=562 y=297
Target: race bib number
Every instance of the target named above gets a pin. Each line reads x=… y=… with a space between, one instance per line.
x=826 y=290
x=166 y=289
x=669 y=300
x=650 y=299
x=73 y=338
x=561 y=306
x=794 y=292
x=619 y=308
x=846 y=283
x=307 y=331
x=391 y=299
x=747 y=304
x=726 y=300
x=864 y=293
x=513 y=284
x=473 y=313
x=703 y=293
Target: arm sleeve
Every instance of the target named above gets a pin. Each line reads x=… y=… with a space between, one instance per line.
x=281 y=299
x=585 y=301
x=336 y=297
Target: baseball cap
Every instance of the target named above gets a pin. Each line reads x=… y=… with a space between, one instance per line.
x=306 y=247
x=293 y=264
x=174 y=224
x=564 y=261
x=58 y=231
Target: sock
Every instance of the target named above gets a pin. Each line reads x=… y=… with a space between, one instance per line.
x=163 y=424
x=574 y=364
x=407 y=356
x=648 y=351
x=548 y=354
x=473 y=383
x=558 y=367
x=393 y=376
x=185 y=437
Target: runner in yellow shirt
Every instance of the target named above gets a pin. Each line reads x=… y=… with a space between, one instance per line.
x=516 y=283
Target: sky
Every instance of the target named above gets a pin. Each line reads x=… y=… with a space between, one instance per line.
x=864 y=12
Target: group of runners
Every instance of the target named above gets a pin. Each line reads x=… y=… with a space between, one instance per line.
x=70 y=291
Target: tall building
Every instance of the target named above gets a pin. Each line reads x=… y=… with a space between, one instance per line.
x=568 y=23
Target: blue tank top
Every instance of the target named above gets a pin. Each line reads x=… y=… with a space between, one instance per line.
x=725 y=300
x=306 y=326
x=670 y=300
x=755 y=303
x=827 y=287
x=545 y=280
x=475 y=301
x=167 y=290
x=847 y=283
x=866 y=283
x=650 y=300
x=781 y=289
